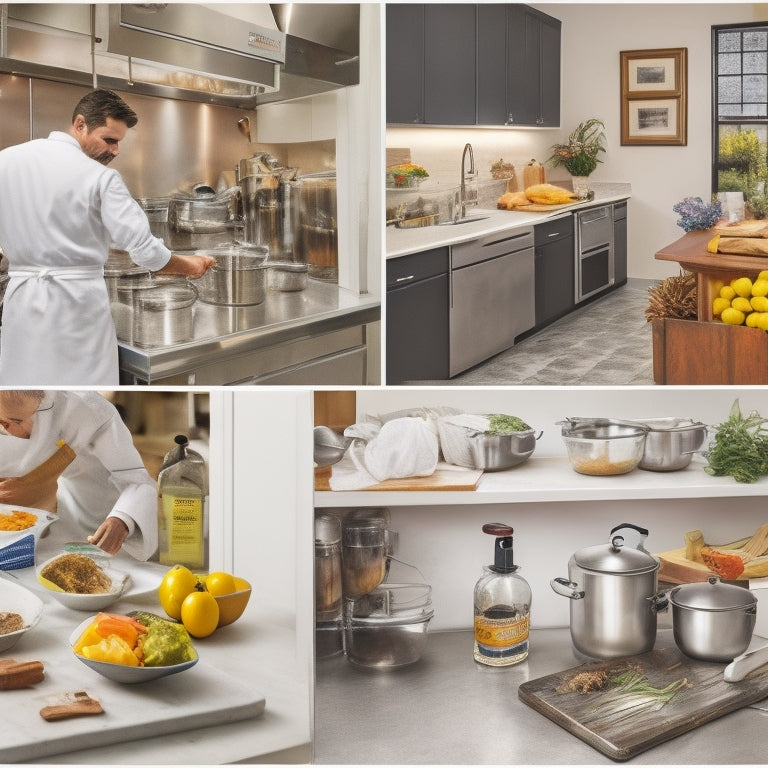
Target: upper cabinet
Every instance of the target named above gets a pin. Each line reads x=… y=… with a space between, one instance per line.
x=461 y=64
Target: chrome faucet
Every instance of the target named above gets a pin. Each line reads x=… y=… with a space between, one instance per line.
x=464 y=197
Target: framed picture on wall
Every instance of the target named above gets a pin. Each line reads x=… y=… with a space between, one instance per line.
x=653 y=97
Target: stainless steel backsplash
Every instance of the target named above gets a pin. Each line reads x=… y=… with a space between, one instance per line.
x=174 y=145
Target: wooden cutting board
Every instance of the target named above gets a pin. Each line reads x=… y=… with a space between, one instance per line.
x=543 y=207
x=454 y=479
x=676 y=569
x=706 y=697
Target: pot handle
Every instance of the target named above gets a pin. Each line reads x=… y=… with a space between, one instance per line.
x=567 y=588
x=659 y=602
x=636 y=537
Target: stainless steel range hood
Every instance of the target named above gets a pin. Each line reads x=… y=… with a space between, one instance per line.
x=243 y=54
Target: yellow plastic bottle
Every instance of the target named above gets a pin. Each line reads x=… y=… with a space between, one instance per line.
x=182 y=507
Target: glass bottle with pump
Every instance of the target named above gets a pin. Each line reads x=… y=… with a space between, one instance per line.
x=182 y=487
x=502 y=605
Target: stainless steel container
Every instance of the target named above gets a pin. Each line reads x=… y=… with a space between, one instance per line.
x=261 y=210
x=288 y=276
x=155 y=311
x=317 y=239
x=613 y=592
x=670 y=443
x=156 y=209
x=603 y=446
x=202 y=218
x=238 y=278
x=712 y=621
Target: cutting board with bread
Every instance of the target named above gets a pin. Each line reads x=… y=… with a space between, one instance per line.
x=537 y=197
x=746 y=238
x=739 y=560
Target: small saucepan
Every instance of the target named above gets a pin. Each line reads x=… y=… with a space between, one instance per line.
x=712 y=621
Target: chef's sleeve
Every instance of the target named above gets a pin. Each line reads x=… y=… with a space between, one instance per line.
x=128 y=226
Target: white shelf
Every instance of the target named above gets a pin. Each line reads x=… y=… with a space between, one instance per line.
x=551 y=479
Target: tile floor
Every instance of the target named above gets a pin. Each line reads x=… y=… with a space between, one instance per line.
x=605 y=343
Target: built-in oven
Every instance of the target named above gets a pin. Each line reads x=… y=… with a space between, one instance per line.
x=594 y=251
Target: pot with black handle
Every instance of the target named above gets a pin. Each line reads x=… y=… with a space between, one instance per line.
x=613 y=592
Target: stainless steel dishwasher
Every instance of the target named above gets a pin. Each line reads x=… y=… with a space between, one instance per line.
x=491 y=295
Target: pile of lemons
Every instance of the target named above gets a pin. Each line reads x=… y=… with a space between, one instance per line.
x=744 y=302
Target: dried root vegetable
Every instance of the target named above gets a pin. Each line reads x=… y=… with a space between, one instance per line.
x=674 y=297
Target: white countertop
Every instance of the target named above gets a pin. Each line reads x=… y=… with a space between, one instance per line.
x=401 y=242
x=258 y=652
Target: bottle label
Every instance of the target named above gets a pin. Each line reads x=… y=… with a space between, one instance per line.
x=184 y=523
x=500 y=633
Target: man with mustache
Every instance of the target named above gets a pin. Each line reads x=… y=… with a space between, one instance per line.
x=61 y=209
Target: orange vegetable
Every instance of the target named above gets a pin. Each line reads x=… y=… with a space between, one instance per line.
x=17 y=521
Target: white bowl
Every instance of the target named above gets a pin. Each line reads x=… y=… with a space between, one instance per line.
x=17 y=548
x=121 y=673
x=81 y=602
x=17 y=599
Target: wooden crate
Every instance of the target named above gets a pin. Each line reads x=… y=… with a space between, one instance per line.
x=690 y=352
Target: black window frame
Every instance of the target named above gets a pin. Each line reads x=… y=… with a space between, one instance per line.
x=715 y=111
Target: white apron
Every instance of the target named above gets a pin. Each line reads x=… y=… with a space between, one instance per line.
x=106 y=478
x=68 y=308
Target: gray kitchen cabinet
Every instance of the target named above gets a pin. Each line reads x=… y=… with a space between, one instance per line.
x=464 y=64
x=554 y=269
x=518 y=66
x=431 y=63
x=620 y=242
x=417 y=342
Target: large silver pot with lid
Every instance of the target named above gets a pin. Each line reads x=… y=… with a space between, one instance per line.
x=712 y=621
x=202 y=217
x=238 y=278
x=613 y=592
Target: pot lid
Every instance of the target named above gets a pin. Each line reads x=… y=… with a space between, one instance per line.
x=712 y=595
x=616 y=557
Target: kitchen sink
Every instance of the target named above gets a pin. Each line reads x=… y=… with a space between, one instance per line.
x=465 y=220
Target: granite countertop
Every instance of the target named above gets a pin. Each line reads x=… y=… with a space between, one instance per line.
x=447 y=709
x=401 y=242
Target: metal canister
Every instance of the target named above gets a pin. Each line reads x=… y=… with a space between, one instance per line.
x=317 y=225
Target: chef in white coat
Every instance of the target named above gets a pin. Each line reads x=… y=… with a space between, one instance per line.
x=62 y=209
x=105 y=494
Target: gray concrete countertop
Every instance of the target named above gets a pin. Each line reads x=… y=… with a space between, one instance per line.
x=401 y=242
x=447 y=709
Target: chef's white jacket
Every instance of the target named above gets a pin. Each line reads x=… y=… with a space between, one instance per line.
x=107 y=478
x=60 y=211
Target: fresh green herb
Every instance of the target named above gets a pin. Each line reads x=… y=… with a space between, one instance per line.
x=740 y=447
x=501 y=424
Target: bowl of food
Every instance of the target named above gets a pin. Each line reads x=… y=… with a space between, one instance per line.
x=491 y=442
x=232 y=605
x=603 y=446
x=81 y=582
x=20 y=611
x=133 y=648
x=20 y=529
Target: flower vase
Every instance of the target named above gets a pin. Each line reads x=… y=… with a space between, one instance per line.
x=580 y=186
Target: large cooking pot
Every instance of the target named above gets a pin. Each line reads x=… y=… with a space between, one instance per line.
x=613 y=592
x=203 y=210
x=238 y=278
x=712 y=621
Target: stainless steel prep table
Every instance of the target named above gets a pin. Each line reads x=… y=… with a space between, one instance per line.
x=449 y=710
x=225 y=337
x=401 y=242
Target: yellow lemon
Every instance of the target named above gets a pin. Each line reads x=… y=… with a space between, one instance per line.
x=727 y=292
x=741 y=304
x=742 y=286
x=759 y=303
x=752 y=319
x=763 y=275
x=719 y=304
x=762 y=321
x=732 y=316
x=760 y=287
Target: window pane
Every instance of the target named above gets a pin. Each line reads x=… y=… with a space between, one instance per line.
x=729 y=41
x=755 y=62
x=755 y=40
x=729 y=90
x=729 y=63
x=755 y=88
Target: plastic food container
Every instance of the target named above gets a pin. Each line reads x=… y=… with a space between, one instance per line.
x=387 y=628
x=671 y=443
x=603 y=446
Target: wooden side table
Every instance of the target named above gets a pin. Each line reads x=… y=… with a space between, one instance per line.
x=693 y=352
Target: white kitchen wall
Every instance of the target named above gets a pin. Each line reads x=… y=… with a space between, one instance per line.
x=449 y=547
x=593 y=34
